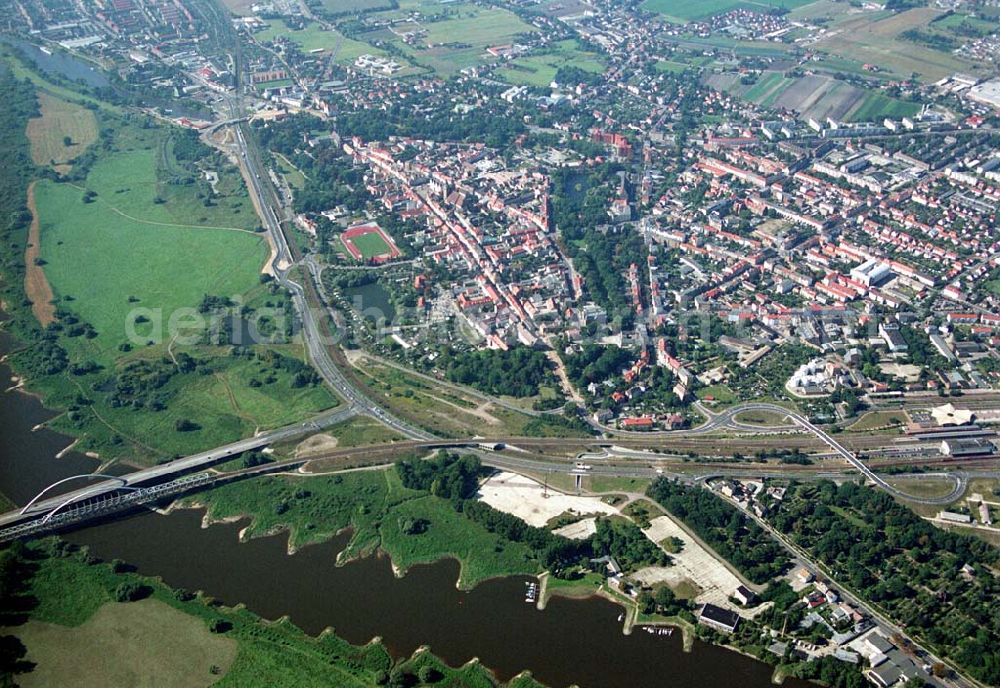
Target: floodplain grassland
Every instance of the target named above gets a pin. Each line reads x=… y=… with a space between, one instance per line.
x=79 y=635
x=102 y=253
x=143 y=643
x=225 y=404
x=379 y=511
x=135 y=235
x=59 y=121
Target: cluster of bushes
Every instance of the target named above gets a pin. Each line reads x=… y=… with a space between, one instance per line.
x=627 y=544
x=457 y=479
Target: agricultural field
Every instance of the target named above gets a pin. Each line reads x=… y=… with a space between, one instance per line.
x=457 y=35
x=951 y=22
x=63 y=131
x=877 y=41
x=672 y=66
x=144 y=643
x=315 y=37
x=239 y=7
x=541 y=69
x=815 y=97
x=477 y=26
x=764 y=49
x=688 y=10
x=346 y=6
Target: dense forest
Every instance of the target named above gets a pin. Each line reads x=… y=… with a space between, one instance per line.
x=446 y=475
x=732 y=534
x=911 y=569
x=596 y=363
x=517 y=372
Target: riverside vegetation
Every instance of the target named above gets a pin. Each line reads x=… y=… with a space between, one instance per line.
x=418 y=512
x=49 y=585
x=109 y=231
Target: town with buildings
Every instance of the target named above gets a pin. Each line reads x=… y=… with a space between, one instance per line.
x=633 y=221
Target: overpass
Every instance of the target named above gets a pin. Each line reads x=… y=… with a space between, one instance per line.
x=149 y=484
x=852 y=459
x=172 y=469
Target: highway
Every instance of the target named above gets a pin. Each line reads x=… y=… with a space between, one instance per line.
x=693 y=440
x=283 y=260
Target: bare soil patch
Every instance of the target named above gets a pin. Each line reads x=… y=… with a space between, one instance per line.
x=36 y=285
x=531 y=502
x=316 y=444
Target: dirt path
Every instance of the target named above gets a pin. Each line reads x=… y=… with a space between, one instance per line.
x=36 y=285
x=232 y=399
x=479 y=411
x=567 y=386
x=156 y=223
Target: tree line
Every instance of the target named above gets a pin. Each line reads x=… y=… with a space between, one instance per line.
x=731 y=533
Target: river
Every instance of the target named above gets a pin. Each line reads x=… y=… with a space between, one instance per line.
x=60 y=62
x=570 y=642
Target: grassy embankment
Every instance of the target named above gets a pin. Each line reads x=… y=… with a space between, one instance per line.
x=376 y=506
x=79 y=635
